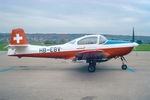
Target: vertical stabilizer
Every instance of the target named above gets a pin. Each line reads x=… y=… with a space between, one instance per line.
x=18 y=37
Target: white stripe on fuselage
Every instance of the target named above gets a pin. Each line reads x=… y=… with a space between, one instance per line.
x=30 y=49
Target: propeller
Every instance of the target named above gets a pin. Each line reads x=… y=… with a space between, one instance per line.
x=133 y=40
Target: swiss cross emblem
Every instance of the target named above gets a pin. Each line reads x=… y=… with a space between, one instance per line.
x=18 y=38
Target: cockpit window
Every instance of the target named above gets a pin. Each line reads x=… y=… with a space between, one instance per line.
x=88 y=40
x=102 y=40
x=72 y=42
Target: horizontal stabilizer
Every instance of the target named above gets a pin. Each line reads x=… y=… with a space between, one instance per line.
x=16 y=46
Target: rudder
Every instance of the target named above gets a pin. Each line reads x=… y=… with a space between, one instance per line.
x=18 y=37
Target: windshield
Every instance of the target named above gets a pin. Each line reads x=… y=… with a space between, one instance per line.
x=102 y=39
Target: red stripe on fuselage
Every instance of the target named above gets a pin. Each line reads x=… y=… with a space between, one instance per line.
x=69 y=54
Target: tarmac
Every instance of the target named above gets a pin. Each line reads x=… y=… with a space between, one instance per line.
x=58 y=79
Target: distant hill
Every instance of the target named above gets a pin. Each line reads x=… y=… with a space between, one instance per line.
x=63 y=38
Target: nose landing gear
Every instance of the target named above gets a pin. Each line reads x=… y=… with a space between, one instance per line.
x=124 y=66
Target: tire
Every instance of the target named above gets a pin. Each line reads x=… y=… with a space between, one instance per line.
x=124 y=67
x=92 y=67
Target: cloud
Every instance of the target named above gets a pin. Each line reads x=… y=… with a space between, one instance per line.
x=128 y=20
x=133 y=9
x=96 y=16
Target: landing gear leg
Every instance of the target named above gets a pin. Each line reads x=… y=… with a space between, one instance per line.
x=124 y=66
x=92 y=66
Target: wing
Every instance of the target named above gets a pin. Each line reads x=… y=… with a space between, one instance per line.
x=91 y=54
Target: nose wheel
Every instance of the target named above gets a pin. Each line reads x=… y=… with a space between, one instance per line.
x=124 y=66
x=92 y=66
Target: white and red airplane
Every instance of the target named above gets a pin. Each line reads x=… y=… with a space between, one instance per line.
x=92 y=48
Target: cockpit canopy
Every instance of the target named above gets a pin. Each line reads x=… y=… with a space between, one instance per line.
x=89 y=39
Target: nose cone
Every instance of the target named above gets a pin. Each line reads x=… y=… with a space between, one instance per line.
x=135 y=44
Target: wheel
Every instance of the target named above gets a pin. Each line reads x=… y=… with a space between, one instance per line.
x=92 y=67
x=124 y=67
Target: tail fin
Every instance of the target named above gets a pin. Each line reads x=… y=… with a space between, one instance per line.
x=18 y=37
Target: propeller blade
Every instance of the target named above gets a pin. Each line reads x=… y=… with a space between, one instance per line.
x=133 y=39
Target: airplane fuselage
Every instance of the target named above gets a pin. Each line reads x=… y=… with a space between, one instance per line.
x=67 y=51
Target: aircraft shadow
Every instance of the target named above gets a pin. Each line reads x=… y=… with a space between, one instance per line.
x=79 y=68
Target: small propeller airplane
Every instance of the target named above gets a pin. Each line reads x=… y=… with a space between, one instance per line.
x=92 y=48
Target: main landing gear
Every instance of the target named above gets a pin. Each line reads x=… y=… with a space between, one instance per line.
x=124 y=66
x=92 y=66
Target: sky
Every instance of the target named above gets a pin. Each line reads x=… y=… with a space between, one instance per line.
x=76 y=16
